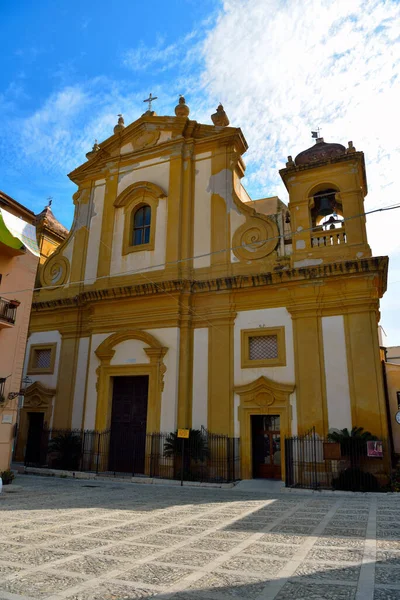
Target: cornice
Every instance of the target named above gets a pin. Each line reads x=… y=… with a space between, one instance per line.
x=289 y=277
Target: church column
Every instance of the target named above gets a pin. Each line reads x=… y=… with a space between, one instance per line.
x=365 y=372
x=107 y=225
x=187 y=211
x=66 y=382
x=81 y=235
x=185 y=376
x=173 y=252
x=355 y=224
x=310 y=372
x=221 y=374
x=220 y=222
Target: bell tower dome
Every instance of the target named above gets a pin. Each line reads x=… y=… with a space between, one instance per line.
x=327 y=185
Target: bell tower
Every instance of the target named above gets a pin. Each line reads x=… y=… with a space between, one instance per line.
x=327 y=185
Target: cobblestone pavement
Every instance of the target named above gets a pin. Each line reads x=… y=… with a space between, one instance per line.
x=91 y=540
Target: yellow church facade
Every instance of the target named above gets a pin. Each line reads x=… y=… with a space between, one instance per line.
x=178 y=302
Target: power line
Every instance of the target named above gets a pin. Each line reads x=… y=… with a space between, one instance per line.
x=214 y=252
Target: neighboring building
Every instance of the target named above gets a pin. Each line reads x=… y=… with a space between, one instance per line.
x=50 y=233
x=19 y=257
x=390 y=357
x=393 y=354
x=24 y=237
x=182 y=303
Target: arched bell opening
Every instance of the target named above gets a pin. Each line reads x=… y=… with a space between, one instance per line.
x=326 y=211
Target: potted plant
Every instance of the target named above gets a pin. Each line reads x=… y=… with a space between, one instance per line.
x=196 y=450
x=353 y=445
x=7 y=477
x=66 y=448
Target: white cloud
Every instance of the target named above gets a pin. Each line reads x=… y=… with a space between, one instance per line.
x=280 y=69
x=283 y=68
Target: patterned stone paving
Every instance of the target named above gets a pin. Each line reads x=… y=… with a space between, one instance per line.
x=62 y=539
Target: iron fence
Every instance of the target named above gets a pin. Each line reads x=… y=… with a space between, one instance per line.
x=312 y=462
x=204 y=457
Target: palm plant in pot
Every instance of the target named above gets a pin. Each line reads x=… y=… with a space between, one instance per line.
x=196 y=450
x=66 y=448
x=353 y=445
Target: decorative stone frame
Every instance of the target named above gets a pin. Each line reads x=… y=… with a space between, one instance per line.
x=155 y=370
x=262 y=397
x=132 y=198
x=279 y=361
x=39 y=399
x=32 y=370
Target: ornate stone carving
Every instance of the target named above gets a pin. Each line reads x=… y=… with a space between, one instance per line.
x=162 y=371
x=120 y=125
x=55 y=271
x=255 y=239
x=93 y=151
x=144 y=139
x=264 y=399
x=182 y=110
x=220 y=118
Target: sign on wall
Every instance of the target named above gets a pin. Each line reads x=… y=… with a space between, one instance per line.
x=183 y=433
x=375 y=449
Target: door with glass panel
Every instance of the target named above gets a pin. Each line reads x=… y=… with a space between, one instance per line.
x=266 y=440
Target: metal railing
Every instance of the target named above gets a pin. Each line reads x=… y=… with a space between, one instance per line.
x=8 y=310
x=206 y=457
x=312 y=462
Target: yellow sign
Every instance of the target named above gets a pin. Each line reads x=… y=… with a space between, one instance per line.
x=183 y=433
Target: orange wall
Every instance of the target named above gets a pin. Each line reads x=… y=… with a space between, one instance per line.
x=18 y=273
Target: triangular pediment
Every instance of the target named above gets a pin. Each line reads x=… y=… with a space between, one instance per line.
x=147 y=133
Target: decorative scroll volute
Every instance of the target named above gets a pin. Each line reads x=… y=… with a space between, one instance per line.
x=255 y=239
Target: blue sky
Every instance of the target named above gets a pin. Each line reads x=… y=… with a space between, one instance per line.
x=280 y=67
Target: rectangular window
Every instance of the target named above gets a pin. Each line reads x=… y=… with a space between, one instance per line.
x=263 y=347
x=42 y=358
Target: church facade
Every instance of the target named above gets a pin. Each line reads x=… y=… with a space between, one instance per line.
x=177 y=301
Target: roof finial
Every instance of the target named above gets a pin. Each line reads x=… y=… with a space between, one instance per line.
x=93 y=151
x=49 y=201
x=120 y=125
x=181 y=109
x=150 y=99
x=220 y=118
x=316 y=136
x=350 y=148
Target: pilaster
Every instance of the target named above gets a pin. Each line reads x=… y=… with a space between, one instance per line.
x=185 y=377
x=221 y=374
x=365 y=373
x=66 y=382
x=107 y=225
x=310 y=373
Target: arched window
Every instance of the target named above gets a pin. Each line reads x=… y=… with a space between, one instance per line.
x=141 y=226
x=327 y=212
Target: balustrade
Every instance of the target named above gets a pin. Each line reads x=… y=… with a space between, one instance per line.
x=329 y=237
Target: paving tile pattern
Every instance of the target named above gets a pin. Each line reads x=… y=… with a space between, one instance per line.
x=75 y=540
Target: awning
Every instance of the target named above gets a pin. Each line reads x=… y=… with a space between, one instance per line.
x=16 y=233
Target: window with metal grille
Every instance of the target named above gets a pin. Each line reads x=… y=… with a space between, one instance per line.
x=262 y=347
x=141 y=226
x=42 y=358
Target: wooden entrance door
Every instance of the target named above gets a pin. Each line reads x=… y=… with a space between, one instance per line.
x=34 y=439
x=266 y=438
x=128 y=424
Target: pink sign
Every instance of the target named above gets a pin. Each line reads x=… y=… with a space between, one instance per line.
x=375 y=449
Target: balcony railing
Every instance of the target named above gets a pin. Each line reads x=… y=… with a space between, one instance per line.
x=8 y=310
x=330 y=237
